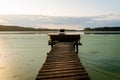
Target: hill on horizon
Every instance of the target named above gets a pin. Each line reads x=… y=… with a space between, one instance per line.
x=19 y=28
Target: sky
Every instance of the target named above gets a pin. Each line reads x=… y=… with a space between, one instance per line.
x=83 y=12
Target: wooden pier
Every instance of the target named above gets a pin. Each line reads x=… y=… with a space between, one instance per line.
x=62 y=62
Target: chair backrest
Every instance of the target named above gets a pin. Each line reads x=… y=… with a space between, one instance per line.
x=65 y=38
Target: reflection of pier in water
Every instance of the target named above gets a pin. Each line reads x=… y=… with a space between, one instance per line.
x=62 y=62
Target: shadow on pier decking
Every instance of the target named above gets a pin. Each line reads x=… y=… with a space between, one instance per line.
x=62 y=62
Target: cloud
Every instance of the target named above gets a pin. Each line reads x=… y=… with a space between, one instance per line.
x=4 y=22
x=107 y=20
x=107 y=17
x=55 y=26
x=61 y=22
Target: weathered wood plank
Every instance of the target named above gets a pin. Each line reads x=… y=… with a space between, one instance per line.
x=62 y=63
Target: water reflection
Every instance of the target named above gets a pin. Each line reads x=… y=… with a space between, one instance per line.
x=4 y=61
x=22 y=55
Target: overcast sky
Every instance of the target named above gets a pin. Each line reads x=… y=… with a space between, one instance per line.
x=80 y=13
x=60 y=7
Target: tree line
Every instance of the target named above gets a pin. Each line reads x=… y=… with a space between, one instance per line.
x=103 y=29
x=19 y=28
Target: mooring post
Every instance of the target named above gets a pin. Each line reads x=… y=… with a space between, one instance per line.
x=76 y=48
x=76 y=44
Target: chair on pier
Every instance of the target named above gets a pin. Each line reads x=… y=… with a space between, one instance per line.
x=62 y=37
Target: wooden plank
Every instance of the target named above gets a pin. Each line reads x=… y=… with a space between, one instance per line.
x=61 y=68
x=62 y=75
x=83 y=77
x=62 y=63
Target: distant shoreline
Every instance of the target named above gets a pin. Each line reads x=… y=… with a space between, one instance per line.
x=101 y=32
x=27 y=30
x=46 y=32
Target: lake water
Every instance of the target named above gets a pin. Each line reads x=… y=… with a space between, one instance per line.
x=100 y=54
x=22 y=55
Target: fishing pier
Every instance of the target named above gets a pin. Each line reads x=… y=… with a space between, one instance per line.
x=62 y=62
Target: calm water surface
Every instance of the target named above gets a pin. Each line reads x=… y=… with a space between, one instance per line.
x=100 y=54
x=22 y=55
